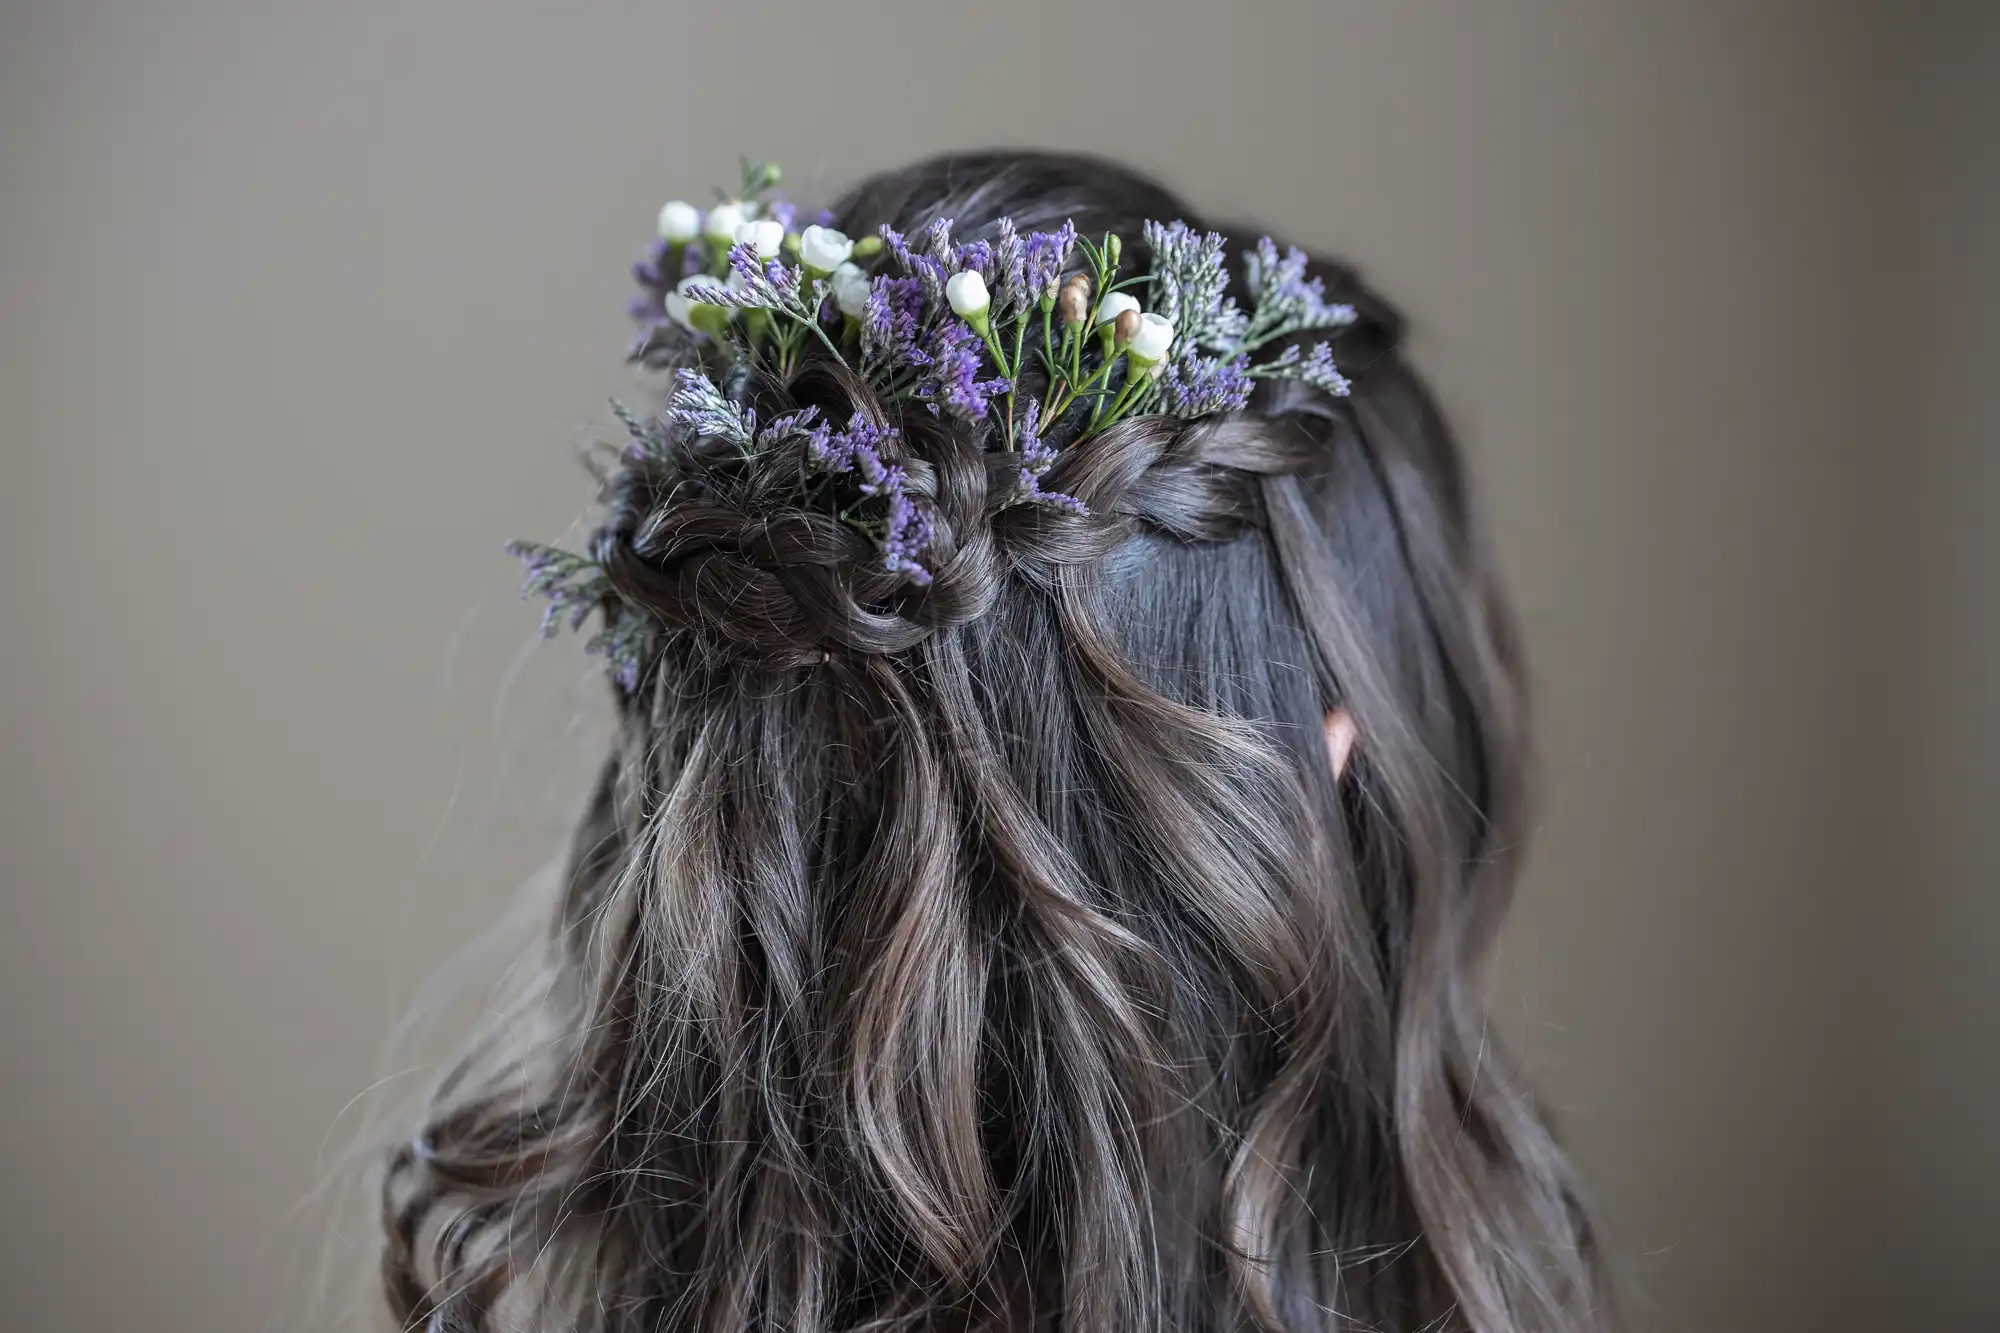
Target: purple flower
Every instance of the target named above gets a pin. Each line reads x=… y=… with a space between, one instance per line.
x=1315 y=368
x=782 y=211
x=1190 y=285
x=1037 y=456
x=1045 y=254
x=928 y=262
x=906 y=537
x=754 y=284
x=951 y=383
x=907 y=528
x=702 y=409
x=1195 y=386
x=856 y=449
x=974 y=255
x=890 y=324
x=1286 y=298
x=805 y=422
x=573 y=585
x=1009 y=269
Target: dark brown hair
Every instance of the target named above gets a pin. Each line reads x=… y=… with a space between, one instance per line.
x=1004 y=954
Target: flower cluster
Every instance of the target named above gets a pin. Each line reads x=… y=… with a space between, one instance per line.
x=575 y=586
x=1034 y=341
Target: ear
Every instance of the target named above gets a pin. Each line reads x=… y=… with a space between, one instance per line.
x=1340 y=733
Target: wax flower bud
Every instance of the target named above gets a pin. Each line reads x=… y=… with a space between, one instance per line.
x=967 y=293
x=823 y=250
x=1112 y=306
x=1074 y=300
x=1151 y=340
x=850 y=290
x=680 y=222
x=764 y=238
x=1125 y=327
x=867 y=247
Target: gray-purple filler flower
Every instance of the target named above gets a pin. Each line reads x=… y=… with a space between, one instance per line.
x=950 y=385
x=907 y=528
x=1037 y=457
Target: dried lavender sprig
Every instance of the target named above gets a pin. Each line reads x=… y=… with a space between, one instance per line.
x=1315 y=368
x=907 y=529
x=1045 y=255
x=648 y=437
x=1037 y=457
x=1197 y=386
x=892 y=325
x=1190 y=286
x=753 y=284
x=1286 y=300
x=572 y=584
x=951 y=383
x=700 y=408
x=626 y=644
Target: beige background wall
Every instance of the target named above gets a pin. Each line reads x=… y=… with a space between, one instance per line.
x=303 y=307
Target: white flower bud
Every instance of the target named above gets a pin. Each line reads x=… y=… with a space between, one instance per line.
x=764 y=238
x=723 y=220
x=1152 y=341
x=822 y=249
x=1111 y=307
x=850 y=290
x=680 y=221
x=967 y=293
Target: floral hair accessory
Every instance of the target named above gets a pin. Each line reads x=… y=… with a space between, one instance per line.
x=1033 y=341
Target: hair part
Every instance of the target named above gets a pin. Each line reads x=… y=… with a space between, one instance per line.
x=1004 y=954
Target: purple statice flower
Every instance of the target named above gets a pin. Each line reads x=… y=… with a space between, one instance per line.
x=856 y=449
x=576 y=586
x=906 y=537
x=936 y=240
x=1287 y=299
x=624 y=643
x=1037 y=457
x=951 y=382
x=1195 y=386
x=805 y=422
x=1191 y=284
x=892 y=322
x=1045 y=254
x=823 y=218
x=978 y=256
x=646 y=437
x=928 y=270
x=753 y=284
x=906 y=530
x=573 y=584
x=1009 y=270
x=700 y=408
x=782 y=211
x=1315 y=368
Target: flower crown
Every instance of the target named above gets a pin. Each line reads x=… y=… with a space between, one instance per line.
x=1034 y=342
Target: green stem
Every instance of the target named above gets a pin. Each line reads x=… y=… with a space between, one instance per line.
x=1137 y=384
x=812 y=322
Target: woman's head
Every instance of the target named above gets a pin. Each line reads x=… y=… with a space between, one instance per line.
x=1002 y=949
